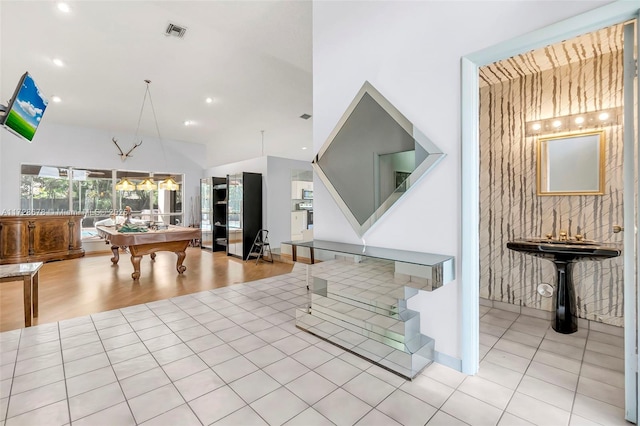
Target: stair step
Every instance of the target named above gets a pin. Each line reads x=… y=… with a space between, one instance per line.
x=406 y=359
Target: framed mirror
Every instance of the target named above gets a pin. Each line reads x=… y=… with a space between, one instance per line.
x=372 y=158
x=571 y=164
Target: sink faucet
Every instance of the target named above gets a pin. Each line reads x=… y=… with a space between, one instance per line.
x=565 y=238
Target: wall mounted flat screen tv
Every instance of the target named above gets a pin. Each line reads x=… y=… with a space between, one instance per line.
x=25 y=108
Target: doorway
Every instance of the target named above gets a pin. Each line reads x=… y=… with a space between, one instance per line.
x=470 y=270
x=562 y=91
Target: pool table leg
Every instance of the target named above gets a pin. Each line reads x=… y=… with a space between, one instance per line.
x=116 y=254
x=135 y=261
x=181 y=256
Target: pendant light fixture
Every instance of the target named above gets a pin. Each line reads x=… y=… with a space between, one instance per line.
x=146 y=185
x=169 y=184
x=125 y=185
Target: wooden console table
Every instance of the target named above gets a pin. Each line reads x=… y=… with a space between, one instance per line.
x=40 y=238
x=175 y=239
x=28 y=273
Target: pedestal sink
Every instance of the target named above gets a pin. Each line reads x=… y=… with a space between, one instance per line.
x=564 y=254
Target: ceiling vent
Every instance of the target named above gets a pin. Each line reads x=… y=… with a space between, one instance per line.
x=305 y=116
x=175 y=30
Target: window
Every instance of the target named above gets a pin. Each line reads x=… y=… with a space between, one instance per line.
x=93 y=192
x=44 y=188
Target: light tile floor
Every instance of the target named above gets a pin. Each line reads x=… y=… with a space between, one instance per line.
x=232 y=356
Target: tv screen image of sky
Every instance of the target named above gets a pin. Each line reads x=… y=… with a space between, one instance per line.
x=26 y=112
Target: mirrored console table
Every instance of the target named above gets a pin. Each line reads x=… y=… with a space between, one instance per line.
x=358 y=300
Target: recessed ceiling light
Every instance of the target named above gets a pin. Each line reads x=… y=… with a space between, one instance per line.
x=58 y=62
x=188 y=122
x=63 y=7
x=208 y=100
x=579 y=120
x=56 y=99
x=556 y=123
x=304 y=147
x=536 y=126
x=603 y=116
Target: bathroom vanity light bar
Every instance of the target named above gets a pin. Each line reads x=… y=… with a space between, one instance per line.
x=575 y=122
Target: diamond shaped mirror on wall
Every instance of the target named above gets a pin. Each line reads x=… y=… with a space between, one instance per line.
x=372 y=158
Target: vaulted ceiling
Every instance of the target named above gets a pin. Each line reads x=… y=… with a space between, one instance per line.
x=252 y=58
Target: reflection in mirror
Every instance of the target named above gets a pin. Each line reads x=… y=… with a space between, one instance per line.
x=372 y=157
x=571 y=164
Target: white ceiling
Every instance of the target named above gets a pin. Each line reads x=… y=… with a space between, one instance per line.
x=252 y=57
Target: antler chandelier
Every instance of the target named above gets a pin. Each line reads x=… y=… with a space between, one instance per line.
x=147 y=184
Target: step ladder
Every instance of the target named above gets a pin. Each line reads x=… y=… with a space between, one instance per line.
x=261 y=247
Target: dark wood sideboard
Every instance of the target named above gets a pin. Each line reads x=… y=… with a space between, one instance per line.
x=40 y=238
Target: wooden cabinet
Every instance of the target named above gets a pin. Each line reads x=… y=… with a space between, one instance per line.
x=40 y=238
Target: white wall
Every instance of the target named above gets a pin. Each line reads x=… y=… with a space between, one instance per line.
x=276 y=190
x=279 y=197
x=253 y=165
x=411 y=52
x=60 y=145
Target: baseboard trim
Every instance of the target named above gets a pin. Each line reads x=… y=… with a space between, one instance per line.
x=447 y=360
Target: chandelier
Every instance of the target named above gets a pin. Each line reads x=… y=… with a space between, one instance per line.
x=125 y=185
x=147 y=184
x=169 y=184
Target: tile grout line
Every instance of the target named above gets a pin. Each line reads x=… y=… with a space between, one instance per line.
x=110 y=365
x=63 y=380
x=112 y=369
x=64 y=373
x=180 y=308
x=208 y=367
x=227 y=384
x=575 y=394
x=313 y=370
x=439 y=409
x=260 y=369
x=525 y=371
x=280 y=385
x=159 y=365
x=13 y=375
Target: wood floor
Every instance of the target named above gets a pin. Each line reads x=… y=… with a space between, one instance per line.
x=77 y=287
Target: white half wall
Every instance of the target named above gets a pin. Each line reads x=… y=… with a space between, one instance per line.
x=411 y=52
x=59 y=145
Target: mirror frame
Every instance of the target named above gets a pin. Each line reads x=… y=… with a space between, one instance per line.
x=542 y=158
x=434 y=155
